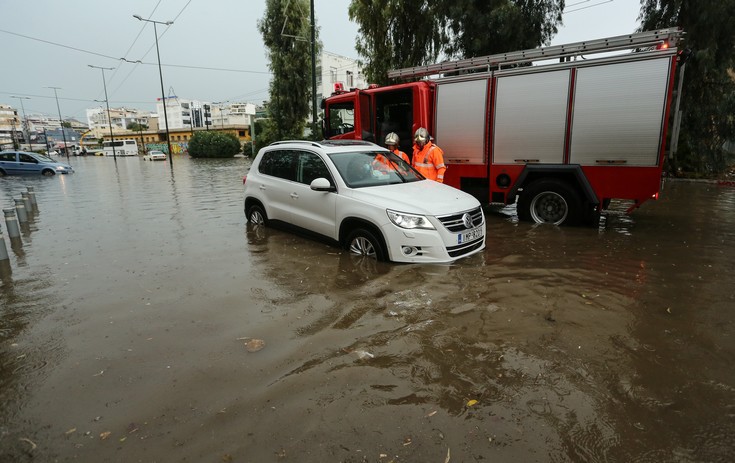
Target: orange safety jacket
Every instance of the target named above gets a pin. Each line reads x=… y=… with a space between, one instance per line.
x=400 y=154
x=429 y=160
x=382 y=163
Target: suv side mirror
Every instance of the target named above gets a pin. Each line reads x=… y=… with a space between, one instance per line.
x=321 y=184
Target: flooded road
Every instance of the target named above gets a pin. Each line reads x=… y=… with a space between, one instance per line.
x=132 y=316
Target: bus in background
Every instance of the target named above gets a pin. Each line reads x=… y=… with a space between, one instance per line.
x=122 y=148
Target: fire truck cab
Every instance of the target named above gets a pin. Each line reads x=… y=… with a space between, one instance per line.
x=559 y=131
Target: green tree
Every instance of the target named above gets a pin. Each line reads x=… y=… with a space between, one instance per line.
x=403 y=33
x=286 y=32
x=211 y=144
x=487 y=27
x=708 y=94
x=396 y=34
x=137 y=127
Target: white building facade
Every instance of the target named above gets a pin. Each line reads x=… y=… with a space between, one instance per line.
x=332 y=69
x=120 y=118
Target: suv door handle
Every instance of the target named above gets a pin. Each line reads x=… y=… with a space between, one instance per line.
x=294 y=195
x=262 y=187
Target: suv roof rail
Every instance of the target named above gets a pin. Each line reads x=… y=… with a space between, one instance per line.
x=323 y=143
x=346 y=142
x=301 y=142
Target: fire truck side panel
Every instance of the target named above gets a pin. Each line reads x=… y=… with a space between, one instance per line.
x=461 y=121
x=531 y=118
x=619 y=113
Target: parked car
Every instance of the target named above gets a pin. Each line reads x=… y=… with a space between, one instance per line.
x=365 y=198
x=155 y=155
x=23 y=162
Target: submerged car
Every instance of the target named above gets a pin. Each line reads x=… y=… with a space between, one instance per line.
x=23 y=162
x=365 y=198
x=155 y=155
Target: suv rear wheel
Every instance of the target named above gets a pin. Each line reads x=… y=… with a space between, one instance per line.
x=362 y=242
x=256 y=215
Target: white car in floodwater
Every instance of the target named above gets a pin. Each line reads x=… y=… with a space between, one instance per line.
x=365 y=198
x=155 y=155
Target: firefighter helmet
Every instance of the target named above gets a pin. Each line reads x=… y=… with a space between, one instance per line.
x=421 y=136
x=392 y=139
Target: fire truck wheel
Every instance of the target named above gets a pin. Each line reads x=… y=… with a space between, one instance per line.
x=549 y=201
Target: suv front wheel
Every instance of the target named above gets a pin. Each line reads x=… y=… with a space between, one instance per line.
x=361 y=242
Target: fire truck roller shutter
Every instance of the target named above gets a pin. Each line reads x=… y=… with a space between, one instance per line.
x=628 y=101
x=530 y=117
x=460 y=120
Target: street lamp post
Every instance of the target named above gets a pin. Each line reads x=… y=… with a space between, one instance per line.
x=160 y=73
x=107 y=103
x=63 y=133
x=27 y=132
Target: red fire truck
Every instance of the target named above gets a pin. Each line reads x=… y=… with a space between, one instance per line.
x=558 y=130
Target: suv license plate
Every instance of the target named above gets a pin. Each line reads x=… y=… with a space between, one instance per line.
x=470 y=235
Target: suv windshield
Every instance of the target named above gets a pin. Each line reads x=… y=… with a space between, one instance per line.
x=373 y=168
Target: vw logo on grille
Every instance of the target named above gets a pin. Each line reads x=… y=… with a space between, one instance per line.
x=467 y=220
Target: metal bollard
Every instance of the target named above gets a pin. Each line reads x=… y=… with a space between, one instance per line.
x=12 y=223
x=32 y=195
x=27 y=202
x=20 y=210
x=3 y=249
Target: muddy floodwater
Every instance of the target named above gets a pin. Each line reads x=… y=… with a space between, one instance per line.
x=142 y=320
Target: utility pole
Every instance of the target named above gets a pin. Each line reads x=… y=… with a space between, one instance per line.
x=313 y=71
x=163 y=92
x=63 y=132
x=107 y=103
x=27 y=130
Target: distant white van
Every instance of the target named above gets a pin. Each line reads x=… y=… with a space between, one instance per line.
x=125 y=147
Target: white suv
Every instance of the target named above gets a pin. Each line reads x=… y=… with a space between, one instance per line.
x=365 y=198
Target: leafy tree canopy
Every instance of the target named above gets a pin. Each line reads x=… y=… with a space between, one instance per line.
x=136 y=127
x=286 y=31
x=403 y=33
x=708 y=94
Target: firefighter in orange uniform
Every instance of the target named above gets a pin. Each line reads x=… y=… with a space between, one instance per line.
x=381 y=162
x=427 y=157
x=391 y=142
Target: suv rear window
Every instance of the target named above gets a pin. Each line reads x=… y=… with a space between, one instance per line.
x=279 y=163
x=294 y=165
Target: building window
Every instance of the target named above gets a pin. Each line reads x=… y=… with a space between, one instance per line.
x=241 y=133
x=349 y=79
x=333 y=74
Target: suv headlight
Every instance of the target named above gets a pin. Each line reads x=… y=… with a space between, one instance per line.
x=409 y=221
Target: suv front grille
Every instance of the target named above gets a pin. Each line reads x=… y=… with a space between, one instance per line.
x=464 y=248
x=454 y=222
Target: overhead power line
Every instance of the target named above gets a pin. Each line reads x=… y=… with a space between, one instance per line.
x=118 y=59
x=586 y=7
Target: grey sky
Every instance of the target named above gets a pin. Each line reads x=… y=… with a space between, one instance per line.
x=51 y=43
